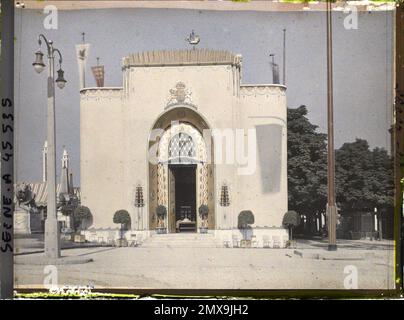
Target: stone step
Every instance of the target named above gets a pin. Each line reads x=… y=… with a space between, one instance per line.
x=180 y=245
x=182 y=240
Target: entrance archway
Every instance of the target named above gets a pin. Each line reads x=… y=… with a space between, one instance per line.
x=182 y=178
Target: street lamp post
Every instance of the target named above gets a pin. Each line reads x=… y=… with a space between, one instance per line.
x=331 y=205
x=52 y=233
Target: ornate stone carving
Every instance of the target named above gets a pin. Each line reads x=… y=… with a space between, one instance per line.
x=25 y=196
x=180 y=95
x=251 y=90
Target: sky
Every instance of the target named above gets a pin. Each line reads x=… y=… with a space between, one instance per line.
x=362 y=66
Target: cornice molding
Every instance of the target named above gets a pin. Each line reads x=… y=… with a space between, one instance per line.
x=161 y=58
x=269 y=89
x=101 y=93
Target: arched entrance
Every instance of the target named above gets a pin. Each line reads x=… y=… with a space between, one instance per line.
x=181 y=178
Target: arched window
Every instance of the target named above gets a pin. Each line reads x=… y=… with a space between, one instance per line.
x=181 y=145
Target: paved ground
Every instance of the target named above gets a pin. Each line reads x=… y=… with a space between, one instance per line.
x=309 y=266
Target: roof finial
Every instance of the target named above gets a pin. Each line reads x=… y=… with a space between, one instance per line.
x=83 y=37
x=193 y=39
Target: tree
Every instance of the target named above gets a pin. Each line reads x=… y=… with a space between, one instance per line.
x=69 y=205
x=81 y=214
x=364 y=177
x=122 y=217
x=291 y=220
x=307 y=165
x=245 y=219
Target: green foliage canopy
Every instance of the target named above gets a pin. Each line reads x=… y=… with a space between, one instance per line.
x=203 y=210
x=82 y=213
x=307 y=164
x=245 y=218
x=122 y=217
x=364 y=177
x=161 y=211
x=291 y=219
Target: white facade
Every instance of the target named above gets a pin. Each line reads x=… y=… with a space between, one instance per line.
x=200 y=90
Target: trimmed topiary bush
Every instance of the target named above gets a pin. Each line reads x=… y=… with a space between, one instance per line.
x=245 y=219
x=122 y=217
x=82 y=214
x=161 y=211
x=203 y=211
x=291 y=220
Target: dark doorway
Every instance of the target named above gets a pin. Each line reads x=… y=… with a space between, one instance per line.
x=185 y=197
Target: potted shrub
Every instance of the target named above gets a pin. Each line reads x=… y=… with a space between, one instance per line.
x=161 y=212
x=82 y=215
x=245 y=219
x=291 y=220
x=203 y=213
x=122 y=217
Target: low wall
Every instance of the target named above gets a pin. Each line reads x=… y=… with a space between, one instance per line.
x=260 y=237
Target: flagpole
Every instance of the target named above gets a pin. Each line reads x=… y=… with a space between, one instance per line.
x=284 y=57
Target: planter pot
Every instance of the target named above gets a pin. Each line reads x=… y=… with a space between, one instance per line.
x=203 y=230
x=161 y=230
x=121 y=243
x=245 y=243
x=79 y=238
x=292 y=244
x=355 y=235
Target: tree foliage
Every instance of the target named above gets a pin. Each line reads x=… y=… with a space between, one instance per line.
x=203 y=211
x=307 y=164
x=364 y=177
x=81 y=215
x=291 y=219
x=245 y=218
x=68 y=206
x=122 y=217
x=161 y=211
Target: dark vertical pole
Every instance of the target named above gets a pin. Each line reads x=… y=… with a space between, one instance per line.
x=399 y=143
x=284 y=57
x=331 y=206
x=272 y=55
x=7 y=158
